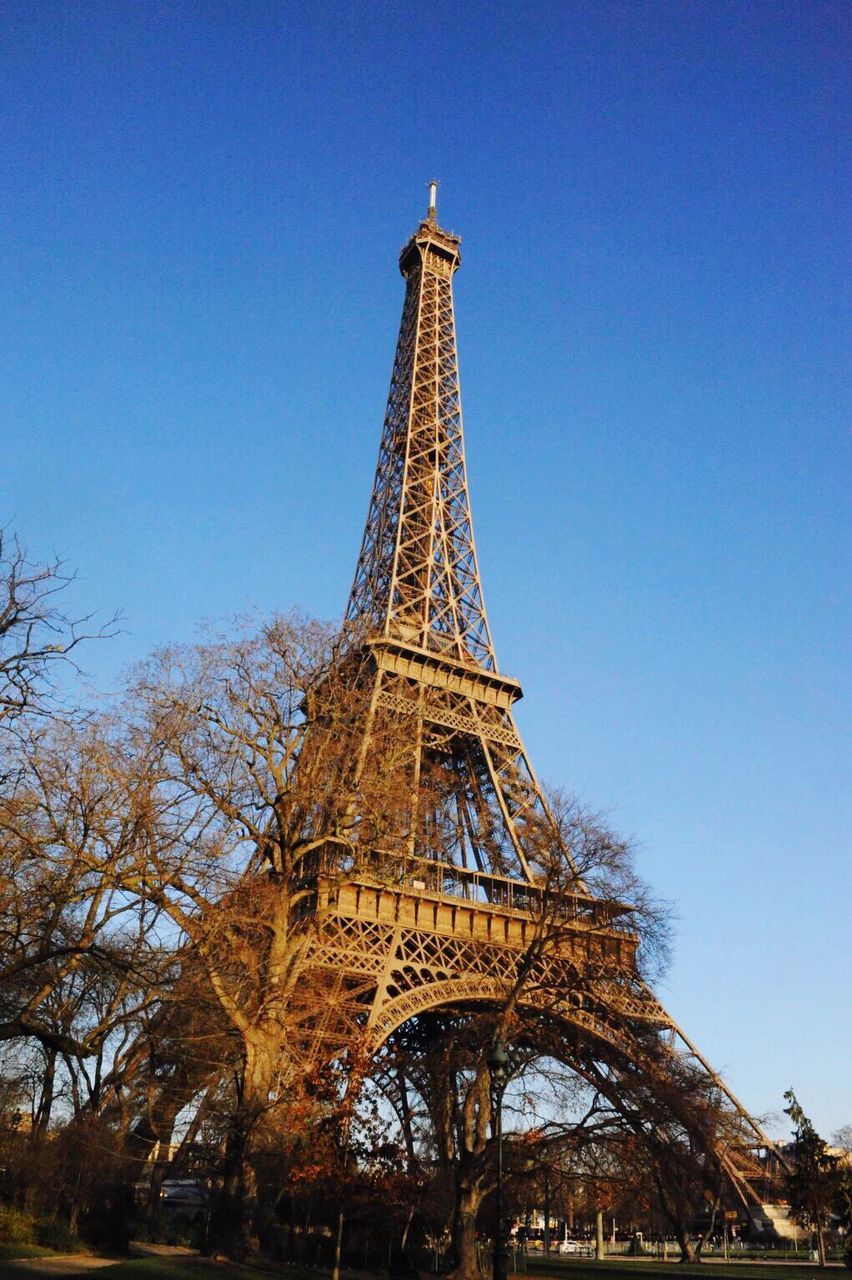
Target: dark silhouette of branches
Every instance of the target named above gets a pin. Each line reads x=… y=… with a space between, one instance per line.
x=37 y=634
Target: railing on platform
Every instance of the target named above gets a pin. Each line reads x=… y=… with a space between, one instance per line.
x=431 y=878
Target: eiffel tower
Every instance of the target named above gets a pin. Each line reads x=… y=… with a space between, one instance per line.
x=443 y=914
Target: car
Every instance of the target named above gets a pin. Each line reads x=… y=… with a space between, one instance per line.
x=183 y=1195
x=579 y=1247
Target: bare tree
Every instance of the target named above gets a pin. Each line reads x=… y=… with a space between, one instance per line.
x=75 y=946
x=83 y=957
x=150 y=884
x=37 y=635
x=434 y=1073
x=250 y=749
x=843 y=1138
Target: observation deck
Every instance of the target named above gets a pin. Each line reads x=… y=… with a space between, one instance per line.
x=469 y=905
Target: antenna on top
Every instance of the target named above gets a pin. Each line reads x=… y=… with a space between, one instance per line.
x=432 y=214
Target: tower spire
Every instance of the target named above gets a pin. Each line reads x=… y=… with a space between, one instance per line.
x=417 y=577
x=432 y=213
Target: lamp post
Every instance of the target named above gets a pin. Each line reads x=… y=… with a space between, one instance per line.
x=498 y=1065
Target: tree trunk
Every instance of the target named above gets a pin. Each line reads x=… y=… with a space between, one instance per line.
x=153 y=1132
x=338 y=1247
x=233 y=1218
x=820 y=1235
x=158 y=1177
x=599 y=1235
x=688 y=1251
x=680 y=1217
x=45 y=1106
x=711 y=1227
x=468 y=1200
x=404 y=1241
x=230 y=1227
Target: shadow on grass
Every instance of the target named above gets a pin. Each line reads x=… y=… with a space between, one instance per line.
x=180 y=1269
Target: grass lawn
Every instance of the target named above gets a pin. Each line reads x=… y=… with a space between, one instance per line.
x=191 y=1268
x=176 y=1268
x=23 y=1251
x=166 y=1268
x=638 y=1269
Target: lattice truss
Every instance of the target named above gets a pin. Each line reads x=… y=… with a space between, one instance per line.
x=417 y=584
x=436 y=753
x=417 y=576
x=474 y=798
x=402 y=971
x=585 y=1004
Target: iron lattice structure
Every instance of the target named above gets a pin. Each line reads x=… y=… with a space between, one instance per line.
x=448 y=909
x=417 y=592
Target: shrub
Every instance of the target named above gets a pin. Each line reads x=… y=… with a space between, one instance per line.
x=187 y=1229
x=176 y=1228
x=16 y=1227
x=55 y=1233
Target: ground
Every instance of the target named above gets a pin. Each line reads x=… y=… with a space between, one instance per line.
x=655 y=1269
x=181 y=1265
x=165 y=1264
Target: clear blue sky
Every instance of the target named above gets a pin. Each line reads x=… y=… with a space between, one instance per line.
x=203 y=204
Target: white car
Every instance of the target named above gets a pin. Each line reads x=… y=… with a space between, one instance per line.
x=575 y=1246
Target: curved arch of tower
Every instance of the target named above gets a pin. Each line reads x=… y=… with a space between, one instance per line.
x=448 y=907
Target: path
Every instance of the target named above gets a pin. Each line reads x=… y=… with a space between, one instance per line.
x=78 y=1264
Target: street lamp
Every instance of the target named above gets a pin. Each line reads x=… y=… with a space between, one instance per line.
x=498 y=1065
